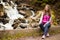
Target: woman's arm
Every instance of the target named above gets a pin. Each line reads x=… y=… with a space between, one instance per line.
x=41 y=18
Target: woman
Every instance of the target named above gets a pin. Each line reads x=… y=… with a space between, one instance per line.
x=45 y=20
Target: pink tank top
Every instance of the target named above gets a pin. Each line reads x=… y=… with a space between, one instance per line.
x=45 y=18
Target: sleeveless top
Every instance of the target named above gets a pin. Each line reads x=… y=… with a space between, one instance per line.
x=45 y=18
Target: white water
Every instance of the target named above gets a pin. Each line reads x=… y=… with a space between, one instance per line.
x=12 y=14
x=33 y=14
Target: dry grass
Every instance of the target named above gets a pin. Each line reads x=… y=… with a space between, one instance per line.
x=14 y=34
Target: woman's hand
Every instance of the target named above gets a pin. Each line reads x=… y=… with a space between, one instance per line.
x=46 y=23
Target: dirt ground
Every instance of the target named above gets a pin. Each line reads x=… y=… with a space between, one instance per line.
x=52 y=37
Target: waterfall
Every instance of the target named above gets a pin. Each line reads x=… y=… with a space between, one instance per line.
x=32 y=12
x=12 y=13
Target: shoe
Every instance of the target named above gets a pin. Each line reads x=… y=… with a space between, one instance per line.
x=43 y=37
x=47 y=35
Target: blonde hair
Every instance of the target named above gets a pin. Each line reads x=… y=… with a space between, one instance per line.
x=49 y=10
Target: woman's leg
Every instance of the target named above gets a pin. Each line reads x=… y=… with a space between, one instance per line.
x=42 y=27
x=46 y=29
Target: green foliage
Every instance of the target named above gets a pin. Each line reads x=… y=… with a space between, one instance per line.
x=45 y=1
x=53 y=18
x=39 y=3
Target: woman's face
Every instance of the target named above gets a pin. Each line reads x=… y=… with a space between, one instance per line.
x=46 y=7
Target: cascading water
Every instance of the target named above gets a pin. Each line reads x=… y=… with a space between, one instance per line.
x=33 y=14
x=12 y=13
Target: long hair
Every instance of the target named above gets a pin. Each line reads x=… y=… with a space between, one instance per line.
x=49 y=10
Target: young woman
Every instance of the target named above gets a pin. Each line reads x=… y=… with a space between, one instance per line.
x=46 y=17
x=45 y=21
